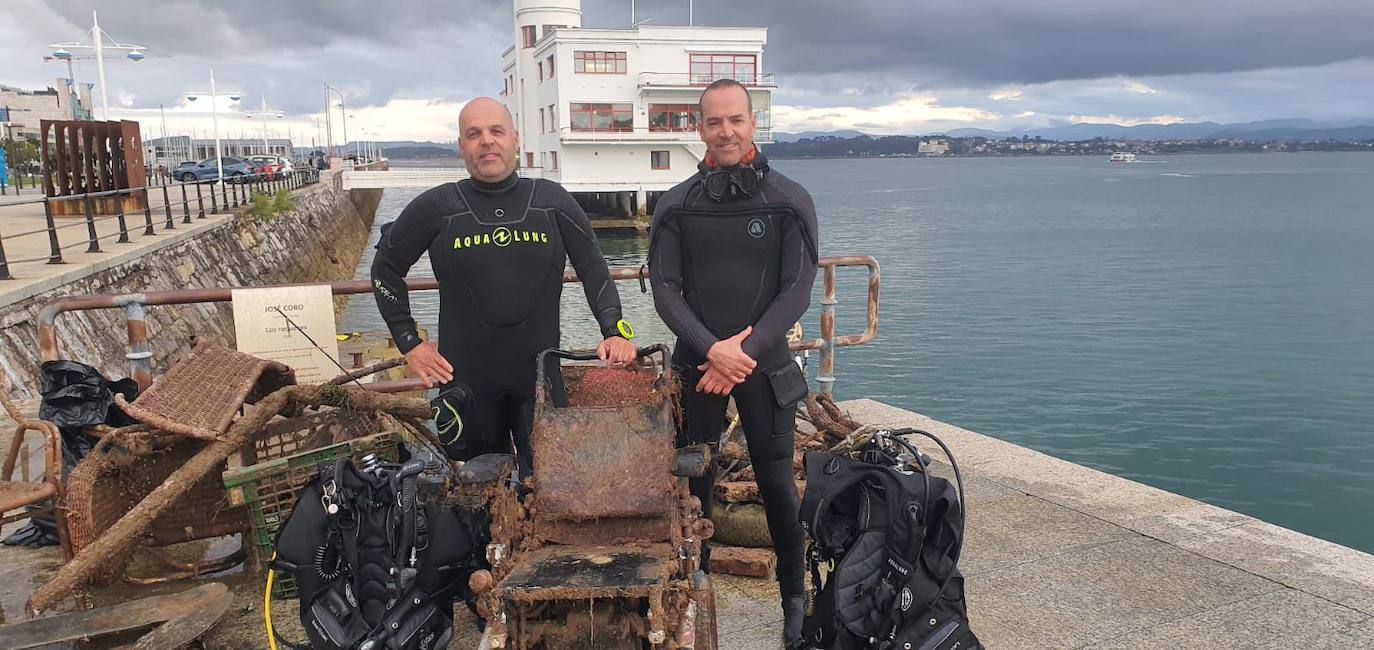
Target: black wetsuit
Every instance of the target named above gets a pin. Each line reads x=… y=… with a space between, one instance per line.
x=498 y=251
x=718 y=267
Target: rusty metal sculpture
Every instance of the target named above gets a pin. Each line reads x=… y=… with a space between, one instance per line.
x=82 y=157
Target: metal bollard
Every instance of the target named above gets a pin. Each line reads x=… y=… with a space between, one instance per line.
x=147 y=214
x=123 y=227
x=55 y=249
x=90 y=226
x=167 y=209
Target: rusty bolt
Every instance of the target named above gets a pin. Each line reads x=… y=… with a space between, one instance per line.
x=481 y=581
x=703 y=529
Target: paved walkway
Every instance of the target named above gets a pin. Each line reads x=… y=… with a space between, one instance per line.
x=26 y=241
x=1058 y=556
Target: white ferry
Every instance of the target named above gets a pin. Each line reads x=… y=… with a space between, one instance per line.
x=1122 y=156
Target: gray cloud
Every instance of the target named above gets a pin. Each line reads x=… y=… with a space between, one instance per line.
x=1218 y=59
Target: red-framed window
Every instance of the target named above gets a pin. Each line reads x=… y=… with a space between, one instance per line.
x=673 y=117
x=528 y=36
x=529 y=159
x=599 y=62
x=553 y=160
x=549 y=61
x=710 y=67
x=542 y=123
x=601 y=117
x=658 y=160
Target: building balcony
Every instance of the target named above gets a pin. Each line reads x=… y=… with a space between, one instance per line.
x=642 y=136
x=689 y=80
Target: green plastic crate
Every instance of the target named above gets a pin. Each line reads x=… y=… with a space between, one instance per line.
x=269 y=491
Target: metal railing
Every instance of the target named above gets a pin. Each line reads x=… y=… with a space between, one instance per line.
x=703 y=79
x=140 y=357
x=235 y=192
x=642 y=134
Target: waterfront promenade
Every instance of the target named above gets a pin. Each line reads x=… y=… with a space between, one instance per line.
x=1058 y=556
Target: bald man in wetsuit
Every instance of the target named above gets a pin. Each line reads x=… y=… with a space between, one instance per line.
x=498 y=244
x=732 y=258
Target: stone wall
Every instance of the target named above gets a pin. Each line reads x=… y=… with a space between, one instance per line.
x=321 y=240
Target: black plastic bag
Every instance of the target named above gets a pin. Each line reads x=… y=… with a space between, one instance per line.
x=76 y=395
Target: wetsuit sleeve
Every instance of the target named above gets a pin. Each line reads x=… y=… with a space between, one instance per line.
x=665 y=275
x=590 y=264
x=402 y=243
x=797 y=274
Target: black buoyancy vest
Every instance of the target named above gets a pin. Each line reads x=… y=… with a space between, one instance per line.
x=891 y=541
x=372 y=562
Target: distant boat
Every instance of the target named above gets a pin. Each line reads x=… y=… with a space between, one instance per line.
x=1122 y=156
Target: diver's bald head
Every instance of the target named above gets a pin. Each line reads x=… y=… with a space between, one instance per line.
x=483 y=109
x=488 y=139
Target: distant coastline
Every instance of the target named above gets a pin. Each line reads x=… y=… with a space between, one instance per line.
x=899 y=146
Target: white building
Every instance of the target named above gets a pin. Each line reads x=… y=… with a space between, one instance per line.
x=173 y=150
x=933 y=147
x=611 y=113
x=21 y=111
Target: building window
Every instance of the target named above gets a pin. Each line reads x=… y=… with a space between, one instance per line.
x=541 y=120
x=553 y=119
x=673 y=117
x=550 y=62
x=599 y=62
x=658 y=159
x=710 y=67
x=601 y=117
x=529 y=159
x=550 y=28
x=527 y=36
x=541 y=70
x=553 y=160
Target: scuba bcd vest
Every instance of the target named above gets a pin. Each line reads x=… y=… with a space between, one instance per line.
x=378 y=568
x=889 y=535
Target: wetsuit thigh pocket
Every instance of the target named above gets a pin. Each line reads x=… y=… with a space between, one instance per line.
x=788 y=384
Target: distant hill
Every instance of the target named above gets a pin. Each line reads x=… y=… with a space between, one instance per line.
x=419 y=152
x=1263 y=131
x=782 y=136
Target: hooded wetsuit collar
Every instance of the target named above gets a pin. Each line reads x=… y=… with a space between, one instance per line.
x=499 y=187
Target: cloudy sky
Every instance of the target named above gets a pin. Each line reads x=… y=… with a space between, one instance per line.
x=881 y=66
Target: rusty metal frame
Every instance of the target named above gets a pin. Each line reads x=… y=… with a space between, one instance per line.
x=140 y=356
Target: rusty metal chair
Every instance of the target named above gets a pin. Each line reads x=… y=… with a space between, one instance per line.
x=16 y=497
x=604 y=552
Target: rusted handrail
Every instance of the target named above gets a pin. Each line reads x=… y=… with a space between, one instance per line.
x=140 y=357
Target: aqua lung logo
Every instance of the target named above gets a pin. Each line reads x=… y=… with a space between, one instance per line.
x=756 y=228
x=906 y=599
x=455 y=421
x=501 y=238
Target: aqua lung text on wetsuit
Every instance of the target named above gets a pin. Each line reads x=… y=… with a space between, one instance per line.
x=501 y=237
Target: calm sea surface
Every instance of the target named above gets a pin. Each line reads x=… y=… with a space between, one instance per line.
x=1203 y=324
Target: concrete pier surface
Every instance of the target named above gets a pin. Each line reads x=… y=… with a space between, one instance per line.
x=1058 y=556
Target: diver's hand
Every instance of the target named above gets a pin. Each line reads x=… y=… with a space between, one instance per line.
x=728 y=359
x=616 y=351
x=431 y=366
x=713 y=381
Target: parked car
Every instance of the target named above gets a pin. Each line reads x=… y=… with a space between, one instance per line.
x=276 y=164
x=234 y=169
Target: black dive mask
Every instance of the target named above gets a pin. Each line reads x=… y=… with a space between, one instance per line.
x=727 y=182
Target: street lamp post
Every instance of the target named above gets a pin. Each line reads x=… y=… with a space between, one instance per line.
x=343 y=110
x=101 y=41
x=264 y=114
x=214 y=119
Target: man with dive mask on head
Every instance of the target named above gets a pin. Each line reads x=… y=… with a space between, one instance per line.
x=732 y=259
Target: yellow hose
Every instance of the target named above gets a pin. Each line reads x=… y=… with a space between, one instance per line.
x=267 y=607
